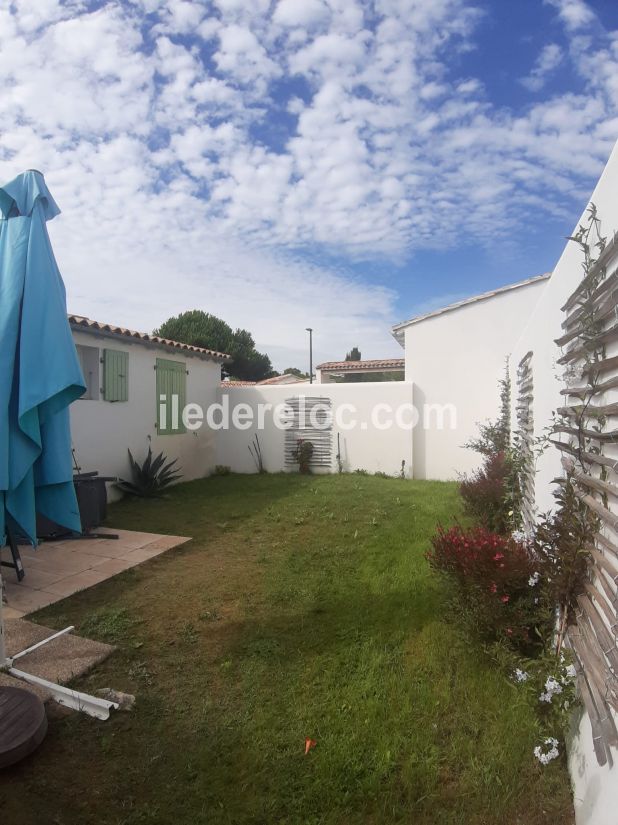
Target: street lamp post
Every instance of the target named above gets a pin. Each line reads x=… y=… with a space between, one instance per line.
x=310 y=331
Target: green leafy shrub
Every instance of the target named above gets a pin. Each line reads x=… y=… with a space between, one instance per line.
x=303 y=454
x=497 y=585
x=152 y=477
x=221 y=470
x=484 y=493
x=561 y=542
x=492 y=495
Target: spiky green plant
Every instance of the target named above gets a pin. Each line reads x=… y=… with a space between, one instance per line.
x=152 y=477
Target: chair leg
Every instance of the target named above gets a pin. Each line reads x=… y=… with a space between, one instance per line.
x=17 y=563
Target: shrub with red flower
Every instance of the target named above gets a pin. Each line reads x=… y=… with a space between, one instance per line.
x=485 y=493
x=493 y=575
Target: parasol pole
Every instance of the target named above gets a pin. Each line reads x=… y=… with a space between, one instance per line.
x=4 y=662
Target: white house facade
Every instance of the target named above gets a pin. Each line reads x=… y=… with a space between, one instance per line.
x=454 y=357
x=126 y=373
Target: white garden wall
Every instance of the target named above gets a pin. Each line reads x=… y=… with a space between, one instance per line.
x=366 y=447
x=595 y=788
x=457 y=358
x=102 y=431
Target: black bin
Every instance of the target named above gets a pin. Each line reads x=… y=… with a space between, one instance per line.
x=91 y=495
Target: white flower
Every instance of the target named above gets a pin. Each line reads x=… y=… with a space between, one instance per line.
x=545 y=756
x=520 y=675
x=570 y=671
x=552 y=685
x=534 y=578
x=518 y=535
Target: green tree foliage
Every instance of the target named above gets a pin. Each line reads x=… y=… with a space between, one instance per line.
x=201 y=329
x=353 y=355
x=295 y=371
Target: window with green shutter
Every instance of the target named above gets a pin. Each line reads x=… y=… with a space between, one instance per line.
x=171 y=396
x=115 y=375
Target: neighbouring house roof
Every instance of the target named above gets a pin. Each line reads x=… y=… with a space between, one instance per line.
x=83 y=324
x=375 y=365
x=286 y=378
x=397 y=329
x=276 y=380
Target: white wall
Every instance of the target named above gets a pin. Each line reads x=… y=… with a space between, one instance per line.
x=102 y=431
x=365 y=447
x=595 y=788
x=458 y=358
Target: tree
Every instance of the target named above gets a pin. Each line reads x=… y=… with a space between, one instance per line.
x=295 y=371
x=201 y=329
x=353 y=355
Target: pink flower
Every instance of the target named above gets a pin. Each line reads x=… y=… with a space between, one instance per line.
x=493 y=587
x=498 y=556
x=505 y=598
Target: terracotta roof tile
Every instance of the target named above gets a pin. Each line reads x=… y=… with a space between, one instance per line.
x=375 y=364
x=286 y=378
x=80 y=321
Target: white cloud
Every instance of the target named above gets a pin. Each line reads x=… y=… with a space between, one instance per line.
x=549 y=59
x=242 y=56
x=576 y=14
x=304 y=13
x=154 y=133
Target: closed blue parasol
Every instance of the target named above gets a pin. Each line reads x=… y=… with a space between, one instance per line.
x=39 y=377
x=40 y=373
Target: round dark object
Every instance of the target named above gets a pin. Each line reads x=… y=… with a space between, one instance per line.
x=23 y=724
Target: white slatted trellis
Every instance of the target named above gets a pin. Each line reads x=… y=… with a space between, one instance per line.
x=309 y=418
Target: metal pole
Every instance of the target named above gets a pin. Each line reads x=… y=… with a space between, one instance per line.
x=4 y=663
x=310 y=331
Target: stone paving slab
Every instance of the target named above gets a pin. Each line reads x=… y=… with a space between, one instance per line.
x=58 y=569
x=61 y=660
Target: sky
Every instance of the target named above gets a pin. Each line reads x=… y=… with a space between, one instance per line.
x=335 y=164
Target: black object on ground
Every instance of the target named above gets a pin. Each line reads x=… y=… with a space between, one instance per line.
x=92 y=500
x=16 y=562
x=23 y=724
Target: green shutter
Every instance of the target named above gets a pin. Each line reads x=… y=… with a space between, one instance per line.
x=115 y=375
x=171 y=381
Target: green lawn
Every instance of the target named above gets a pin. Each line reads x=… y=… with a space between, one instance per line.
x=303 y=607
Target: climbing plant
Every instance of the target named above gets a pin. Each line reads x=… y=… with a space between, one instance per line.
x=579 y=540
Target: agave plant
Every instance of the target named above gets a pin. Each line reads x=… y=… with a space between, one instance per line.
x=152 y=477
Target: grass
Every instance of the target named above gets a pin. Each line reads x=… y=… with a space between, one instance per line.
x=303 y=607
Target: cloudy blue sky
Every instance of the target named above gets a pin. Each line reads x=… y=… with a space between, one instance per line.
x=340 y=164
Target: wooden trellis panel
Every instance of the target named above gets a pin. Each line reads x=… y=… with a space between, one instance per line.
x=587 y=433
x=309 y=418
x=524 y=437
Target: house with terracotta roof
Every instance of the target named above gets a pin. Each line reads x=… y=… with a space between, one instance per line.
x=331 y=371
x=275 y=381
x=131 y=379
